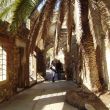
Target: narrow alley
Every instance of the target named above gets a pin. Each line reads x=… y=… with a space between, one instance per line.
x=54 y=54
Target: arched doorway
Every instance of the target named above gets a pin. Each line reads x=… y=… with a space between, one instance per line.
x=59 y=61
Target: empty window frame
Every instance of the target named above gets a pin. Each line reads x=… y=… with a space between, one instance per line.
x=3 y=64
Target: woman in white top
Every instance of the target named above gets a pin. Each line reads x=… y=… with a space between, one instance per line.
x=53 y=71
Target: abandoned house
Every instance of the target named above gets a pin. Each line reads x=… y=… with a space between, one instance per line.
x=33 y=33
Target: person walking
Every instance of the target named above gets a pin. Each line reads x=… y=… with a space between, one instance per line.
x=59 y=69
x=53 y=70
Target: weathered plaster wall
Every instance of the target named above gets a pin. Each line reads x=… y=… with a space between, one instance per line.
x=17 y=66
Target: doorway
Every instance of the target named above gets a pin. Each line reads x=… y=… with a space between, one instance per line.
x=59 y=64
x=32 y=69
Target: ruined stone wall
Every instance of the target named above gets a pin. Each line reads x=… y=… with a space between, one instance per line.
x=17 y=68
x=7 y=87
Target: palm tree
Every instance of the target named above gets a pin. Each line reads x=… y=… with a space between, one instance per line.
x=47 y=14
x=86 y=45
x=19 y=11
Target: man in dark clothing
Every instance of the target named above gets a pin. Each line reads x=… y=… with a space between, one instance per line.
x=59 y=69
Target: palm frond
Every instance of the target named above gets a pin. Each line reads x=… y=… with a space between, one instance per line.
x=69 y=24
x=35 y=2
x=22 y=12
x=17 y=10
x=48 y=15
x=5 y=3
x=41 y=26
x=6 y=12
x=63 y=11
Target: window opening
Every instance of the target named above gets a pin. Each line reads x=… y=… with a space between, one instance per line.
x=3 y=63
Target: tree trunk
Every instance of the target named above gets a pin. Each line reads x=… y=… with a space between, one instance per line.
x=88 y=46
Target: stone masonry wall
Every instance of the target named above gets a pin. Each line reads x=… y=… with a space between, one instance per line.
x=15 y=77
x=7 y=87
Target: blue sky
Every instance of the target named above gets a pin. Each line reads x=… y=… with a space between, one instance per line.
x=42 y=3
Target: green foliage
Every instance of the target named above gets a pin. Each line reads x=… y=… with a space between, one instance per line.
x=4 y=3
x=16 y=10
x=6 y=12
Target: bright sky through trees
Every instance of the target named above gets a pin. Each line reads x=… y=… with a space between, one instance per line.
x=43 y=2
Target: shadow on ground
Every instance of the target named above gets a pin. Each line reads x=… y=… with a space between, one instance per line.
x=44 y=96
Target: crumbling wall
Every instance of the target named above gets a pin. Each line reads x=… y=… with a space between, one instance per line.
x=15 y=61
x=17 y=69
x=8 y=87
